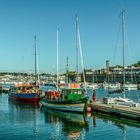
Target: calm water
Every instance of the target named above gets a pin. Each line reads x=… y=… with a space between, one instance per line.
x=28 y=121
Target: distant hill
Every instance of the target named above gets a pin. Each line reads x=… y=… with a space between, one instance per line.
x=136 y=64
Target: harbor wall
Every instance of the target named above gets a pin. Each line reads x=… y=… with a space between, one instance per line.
x=100 y=78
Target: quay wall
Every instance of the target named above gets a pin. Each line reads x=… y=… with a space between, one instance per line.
x=100 y=78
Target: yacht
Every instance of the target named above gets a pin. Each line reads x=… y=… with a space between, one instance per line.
x=130 y=86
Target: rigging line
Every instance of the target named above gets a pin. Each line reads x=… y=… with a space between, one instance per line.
x=81 y=54
x=117 y=44
x=57 y=55
x=129 y=58
x=36 y=62
x=129 y=50
x=37 y=58
x=76 y=48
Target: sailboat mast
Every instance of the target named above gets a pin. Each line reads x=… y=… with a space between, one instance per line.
x=35 y=60
x=77 y=48
x=93 y=77
x=81 y=54
x=67 y=70
x=57 y=55
x=123 y=48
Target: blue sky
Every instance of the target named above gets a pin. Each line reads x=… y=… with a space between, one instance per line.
x=100 y=33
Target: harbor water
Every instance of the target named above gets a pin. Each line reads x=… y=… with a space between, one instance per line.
x=30 y=122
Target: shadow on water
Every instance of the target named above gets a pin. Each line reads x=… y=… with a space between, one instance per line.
x=73 y=125
x=115 y=120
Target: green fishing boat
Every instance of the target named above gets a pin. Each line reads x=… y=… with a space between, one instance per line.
x=68 y=99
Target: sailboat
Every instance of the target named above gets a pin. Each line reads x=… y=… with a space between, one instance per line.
x=69 y=99
x=26 y=92
x=122 y=100
x=125 y=85
x=131 y=85
x=111 y=87
x=92 y=85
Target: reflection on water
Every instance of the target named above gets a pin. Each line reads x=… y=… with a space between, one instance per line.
x=27 y=121
x=22 y=120
x=120 y=128
x=115 y=120
x=23 y=112
x=21 y=105
x=73 y=125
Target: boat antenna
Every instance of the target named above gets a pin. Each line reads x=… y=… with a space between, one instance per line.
x=123 y=48
x=67 y=70
x=57 y=55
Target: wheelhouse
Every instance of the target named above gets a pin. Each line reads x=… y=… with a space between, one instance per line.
x=24 y=89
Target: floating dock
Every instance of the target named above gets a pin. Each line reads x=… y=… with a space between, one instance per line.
x=117 y=110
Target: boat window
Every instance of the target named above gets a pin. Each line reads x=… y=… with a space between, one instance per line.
x=28 y=88
x=79 y=91
x=19 y=88
x=14 y=89
x=65 y=92
x=70 y=91
x=75 y=92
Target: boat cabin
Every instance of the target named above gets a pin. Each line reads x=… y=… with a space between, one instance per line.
x=72 y=94
x=24 y=89
x=52 y=95
x=65 y=94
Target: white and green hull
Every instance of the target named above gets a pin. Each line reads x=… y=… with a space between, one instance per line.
x=71 y=107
